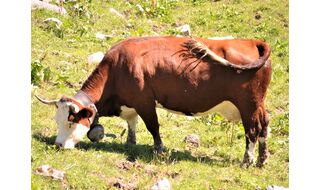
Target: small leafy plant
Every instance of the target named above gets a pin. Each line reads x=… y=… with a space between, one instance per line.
x=39 y=73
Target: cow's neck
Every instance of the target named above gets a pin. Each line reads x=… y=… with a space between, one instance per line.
x=93 y=87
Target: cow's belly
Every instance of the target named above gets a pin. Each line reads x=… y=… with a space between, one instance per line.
x=225 y=108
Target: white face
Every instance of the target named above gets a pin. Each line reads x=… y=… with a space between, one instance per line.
x=69 y=134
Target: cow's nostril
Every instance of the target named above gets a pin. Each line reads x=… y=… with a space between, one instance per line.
x=59 y=145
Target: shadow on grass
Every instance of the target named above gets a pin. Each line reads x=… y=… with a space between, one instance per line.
x=145 y=152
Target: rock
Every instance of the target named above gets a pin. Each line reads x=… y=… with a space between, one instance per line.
x=125 y=165
x=140 y=8
x=95 y=58
x=101 y=36
x=162 y=184
x=193 y=140
x=221 y=38
x=120 y=183
x=47 y=170
x=56 y=21
x=185 y=30
x=274 y=187
x=36 y=4
x=112 y=10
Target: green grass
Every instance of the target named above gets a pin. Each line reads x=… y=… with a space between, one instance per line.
x=62 y=56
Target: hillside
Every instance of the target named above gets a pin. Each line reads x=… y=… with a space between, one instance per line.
x=60 y=66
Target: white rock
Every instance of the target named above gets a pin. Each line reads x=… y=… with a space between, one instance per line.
x=193 y=139
x=274 y=187
x=162 y=184
x=53 y=20
x=101 y=36
x=47 y=170
x=221 y=38
x=140 y=8
x=112 y=10
x=95 y=58
x=185 y=30
x=36 y=4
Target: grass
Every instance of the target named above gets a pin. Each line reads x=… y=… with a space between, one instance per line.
x=60 y=56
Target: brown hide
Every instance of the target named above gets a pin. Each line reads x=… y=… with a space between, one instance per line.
x=149 y=69
x=137 y=72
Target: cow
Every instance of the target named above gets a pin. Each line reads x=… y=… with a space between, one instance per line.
x=190 y=76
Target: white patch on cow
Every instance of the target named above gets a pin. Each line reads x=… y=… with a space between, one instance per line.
x=261 y=139
x=131 y=116
x=132 y=122
x=225 y=108
x=269 y=131
x=127 y=113
x=69 y=133
x=158 y=105
x=250 y=150
x=221 y=38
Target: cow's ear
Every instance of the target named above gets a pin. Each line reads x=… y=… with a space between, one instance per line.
x=86 y=112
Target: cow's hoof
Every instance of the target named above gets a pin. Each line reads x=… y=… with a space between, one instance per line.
x=262 y=160
x=131 y=142
x=260 y=164
x=159 y=149
x=246 y=163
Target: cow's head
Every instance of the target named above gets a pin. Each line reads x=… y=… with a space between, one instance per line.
x=73 y=121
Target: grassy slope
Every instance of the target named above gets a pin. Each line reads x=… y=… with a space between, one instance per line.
x=216 y=162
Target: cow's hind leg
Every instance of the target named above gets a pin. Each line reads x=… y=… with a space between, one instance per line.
x=255 y=122
x=251 y=139
x=252 y=127
x=149 y=116
x=263 y=148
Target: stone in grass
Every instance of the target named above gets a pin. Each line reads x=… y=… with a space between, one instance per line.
x=185 y=30
x=47 y=170
x=193 y=140
x=222 y=38
x=114 y=11
x=162 y=184
x=102 y=36
x=95 y=58
x=53 y=20
x=274 y=187
x=121 y=183
x=36 y=4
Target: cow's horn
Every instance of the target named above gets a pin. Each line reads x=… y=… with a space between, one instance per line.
x=49 y=102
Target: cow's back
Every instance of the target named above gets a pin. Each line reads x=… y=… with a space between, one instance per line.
x=156 y=67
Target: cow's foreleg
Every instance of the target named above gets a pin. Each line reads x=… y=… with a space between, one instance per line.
x=132 y=122
x=149 y=116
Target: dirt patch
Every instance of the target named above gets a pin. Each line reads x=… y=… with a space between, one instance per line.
x=121 y=183
x=151 y=170
x=127 y=165
x=173 y=174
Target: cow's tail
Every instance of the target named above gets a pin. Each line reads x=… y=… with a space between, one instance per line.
x=200 y=50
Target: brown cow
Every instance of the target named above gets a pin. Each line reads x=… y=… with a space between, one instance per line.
x=180 y=74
